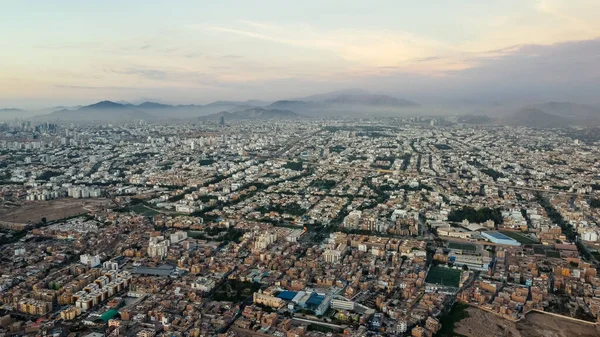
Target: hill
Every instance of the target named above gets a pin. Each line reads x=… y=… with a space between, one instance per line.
x=556 y=115
x=288 y=105
x=352 y=102
x=570 y=110
x=101 y=111
x=254 y=114
x=10 y=110
x=10 y=113
x=537 y=118
x=474 y=119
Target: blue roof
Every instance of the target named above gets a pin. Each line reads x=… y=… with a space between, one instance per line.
x=498 y=235
x=287 y=295
x=315 y=300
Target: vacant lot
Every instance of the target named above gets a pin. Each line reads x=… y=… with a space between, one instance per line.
x=537 y=324
x=534 y=325
x=34 y=211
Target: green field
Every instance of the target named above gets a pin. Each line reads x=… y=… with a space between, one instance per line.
x=143 y=210
x=547 y=251
x=443 y=276
x=519 y=237
x=462 y=246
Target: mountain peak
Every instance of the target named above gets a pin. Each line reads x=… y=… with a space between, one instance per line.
x=105 y=105
x=256 y=113
x=153 y=105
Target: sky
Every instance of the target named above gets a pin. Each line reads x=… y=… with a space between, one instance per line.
x=68 y=52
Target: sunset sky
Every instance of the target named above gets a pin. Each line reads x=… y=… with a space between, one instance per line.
x=76 y=52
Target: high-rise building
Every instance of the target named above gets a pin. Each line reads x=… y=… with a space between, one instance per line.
x=222 y=120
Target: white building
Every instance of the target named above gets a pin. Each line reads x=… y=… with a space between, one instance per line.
x=264 y=240
x=90 y=260
x=203 y=284
x=158 y=247
x=178 y=237
x=352 y=220
x=334 y=254
x=110 y=265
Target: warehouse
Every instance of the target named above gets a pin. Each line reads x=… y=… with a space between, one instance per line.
x=499 y=238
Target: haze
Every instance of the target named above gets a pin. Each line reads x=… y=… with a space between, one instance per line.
x=77 y=52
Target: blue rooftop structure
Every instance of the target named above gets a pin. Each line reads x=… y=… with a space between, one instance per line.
x=287 y=295
x=314 y=300
x=499 y=238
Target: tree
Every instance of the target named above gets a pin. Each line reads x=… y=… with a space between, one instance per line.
x=44 y=220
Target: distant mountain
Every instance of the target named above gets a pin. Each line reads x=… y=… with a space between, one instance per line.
x=154 y=105
x=371 y=100
x=105 y=105
x=537 y=118
x=10 y=110
x=359 y=97
x=237 y=103
x=255 y=113
x=570 y=110
x=557 y=114
x=352 y=102
x=474 y=119
x=101 y=111
x=11 y=113
x=290 y=105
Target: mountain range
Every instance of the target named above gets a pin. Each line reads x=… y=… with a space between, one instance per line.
x=556 y=115
x=253 y=113
x=353 y=103
x=339 y=103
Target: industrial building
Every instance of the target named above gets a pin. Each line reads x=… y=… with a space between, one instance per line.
x=499 y=238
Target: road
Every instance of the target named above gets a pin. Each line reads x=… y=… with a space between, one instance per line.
x=329 y=325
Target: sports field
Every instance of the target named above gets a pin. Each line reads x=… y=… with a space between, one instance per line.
x=443 y=276
x=547 y=251
x=519 y=237
x=462 y=246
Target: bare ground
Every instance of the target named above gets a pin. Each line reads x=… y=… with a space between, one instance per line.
x=484 y=324
x=57 y=209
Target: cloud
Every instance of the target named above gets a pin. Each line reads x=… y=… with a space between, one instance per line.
x=230 y=56
x=151 y=74
x=366 y=47
x=426 y=59
x=85 y=87
x=561 y=71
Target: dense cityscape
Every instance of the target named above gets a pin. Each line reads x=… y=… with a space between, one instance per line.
x=420 y=226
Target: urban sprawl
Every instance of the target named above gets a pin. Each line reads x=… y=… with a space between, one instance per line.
x=341 y=227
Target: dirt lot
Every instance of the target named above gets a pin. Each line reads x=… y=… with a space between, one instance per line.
x=34 y=211
x=552 y=326
x=483 y=324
